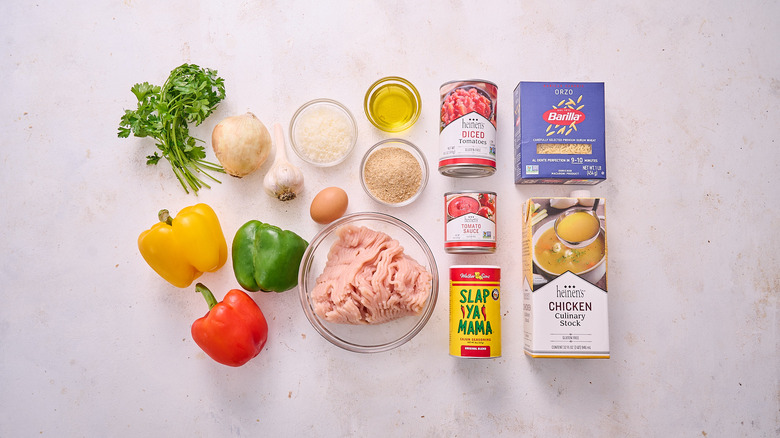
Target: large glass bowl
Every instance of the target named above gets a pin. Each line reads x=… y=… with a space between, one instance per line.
x=367 y=338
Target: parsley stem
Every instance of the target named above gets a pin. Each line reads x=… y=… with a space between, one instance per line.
x=177 y=172
x=211 y=166
x=188 y=95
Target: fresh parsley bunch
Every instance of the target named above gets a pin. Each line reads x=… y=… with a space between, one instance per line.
x=189 y=95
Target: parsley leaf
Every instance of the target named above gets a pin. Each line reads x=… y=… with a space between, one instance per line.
x=189 y=95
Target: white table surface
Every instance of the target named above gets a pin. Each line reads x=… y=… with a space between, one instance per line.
x=93 y=343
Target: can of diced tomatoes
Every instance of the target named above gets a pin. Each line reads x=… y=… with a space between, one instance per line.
x=467 y=128
x=475 y=311
x=470 y=226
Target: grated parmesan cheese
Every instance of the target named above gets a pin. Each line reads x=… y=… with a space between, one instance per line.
x=323 y=134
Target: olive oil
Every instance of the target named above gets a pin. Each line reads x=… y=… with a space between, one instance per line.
x=393 y=106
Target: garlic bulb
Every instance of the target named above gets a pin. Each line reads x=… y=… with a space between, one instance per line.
x=283 y=181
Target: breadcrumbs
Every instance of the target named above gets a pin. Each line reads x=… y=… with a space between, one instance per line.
x=392 y=175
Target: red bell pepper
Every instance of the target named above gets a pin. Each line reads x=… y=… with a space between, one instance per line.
x=233 y=331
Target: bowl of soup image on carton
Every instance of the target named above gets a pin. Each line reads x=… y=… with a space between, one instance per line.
x=585 y=255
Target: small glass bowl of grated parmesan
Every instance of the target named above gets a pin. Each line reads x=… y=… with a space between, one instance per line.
x=323 y=132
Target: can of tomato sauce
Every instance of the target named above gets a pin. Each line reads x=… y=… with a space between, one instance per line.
x=475 y=311
x=470 y=225
x=467 y=128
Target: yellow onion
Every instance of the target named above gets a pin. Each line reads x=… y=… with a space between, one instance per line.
x=241 y=144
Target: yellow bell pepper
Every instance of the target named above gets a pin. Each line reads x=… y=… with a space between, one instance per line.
x=180 y=249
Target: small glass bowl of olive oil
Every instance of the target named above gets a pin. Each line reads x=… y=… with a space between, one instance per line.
x=392 y=104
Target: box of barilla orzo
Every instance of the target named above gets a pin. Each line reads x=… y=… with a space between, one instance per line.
x=559 y=133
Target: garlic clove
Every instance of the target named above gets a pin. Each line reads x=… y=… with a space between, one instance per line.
x=284 y=181
x=584 y=196
x=562 y=203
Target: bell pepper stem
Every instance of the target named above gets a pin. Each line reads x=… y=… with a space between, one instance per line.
x=206 y=294
x=165 y=216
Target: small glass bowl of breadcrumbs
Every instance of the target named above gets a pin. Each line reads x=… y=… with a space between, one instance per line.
x=394 y=172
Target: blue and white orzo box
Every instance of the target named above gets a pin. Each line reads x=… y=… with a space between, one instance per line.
x=559 y=133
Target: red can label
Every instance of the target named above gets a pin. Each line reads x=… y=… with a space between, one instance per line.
x=471 y=222
x=467 y=128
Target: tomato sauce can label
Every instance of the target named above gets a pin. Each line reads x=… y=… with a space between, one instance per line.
x=475 y=311
x=467 y=128
x=470 y=226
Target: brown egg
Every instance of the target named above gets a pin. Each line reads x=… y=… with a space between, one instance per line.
x=329 y=205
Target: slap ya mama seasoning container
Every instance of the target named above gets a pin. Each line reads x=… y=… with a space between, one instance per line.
x=470 y=226
x=467 y=128
x=475 y=311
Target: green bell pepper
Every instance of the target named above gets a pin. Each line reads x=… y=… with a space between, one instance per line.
x=267 y=258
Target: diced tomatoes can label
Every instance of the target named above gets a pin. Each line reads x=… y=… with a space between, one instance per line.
x=470 y=227
x=467 y=128
x=475 y=311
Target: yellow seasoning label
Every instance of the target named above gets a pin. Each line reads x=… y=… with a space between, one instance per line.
x=475 y=311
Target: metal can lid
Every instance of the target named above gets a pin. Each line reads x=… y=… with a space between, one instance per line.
x=463 y=192
x=475 y=267
x=470 y=250
x=467 y=81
